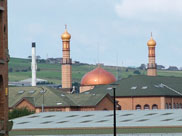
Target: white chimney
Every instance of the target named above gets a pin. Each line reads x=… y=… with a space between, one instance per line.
x=34 y=65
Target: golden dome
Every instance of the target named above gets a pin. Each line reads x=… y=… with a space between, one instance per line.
x=98 y=76
x=66 y=36
x=151 y=42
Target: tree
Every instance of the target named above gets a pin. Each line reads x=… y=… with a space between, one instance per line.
x=137 y=72
x=15 y=113
x=142 y=67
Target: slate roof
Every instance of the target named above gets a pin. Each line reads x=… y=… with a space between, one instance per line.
x=136 y=86
x=52 y=97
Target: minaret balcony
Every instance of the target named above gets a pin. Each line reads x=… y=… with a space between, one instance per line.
x=66 y=61
x=151 y=65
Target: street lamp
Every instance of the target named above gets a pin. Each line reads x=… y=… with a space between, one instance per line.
x=42 y=91
x=113 y=87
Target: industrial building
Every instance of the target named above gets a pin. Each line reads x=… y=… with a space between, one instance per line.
x=143 y=122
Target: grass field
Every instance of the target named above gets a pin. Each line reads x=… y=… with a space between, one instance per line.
x=52 y=72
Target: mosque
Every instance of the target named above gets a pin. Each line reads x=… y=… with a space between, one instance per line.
x=133 y=93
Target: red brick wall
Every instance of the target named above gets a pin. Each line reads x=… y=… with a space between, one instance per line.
x=25 y=104
x=129 y=103
x=3 y=65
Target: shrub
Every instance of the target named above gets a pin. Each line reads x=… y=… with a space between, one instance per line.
x=15 y=113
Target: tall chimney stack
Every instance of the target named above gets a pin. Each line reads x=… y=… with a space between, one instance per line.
x=34 y=64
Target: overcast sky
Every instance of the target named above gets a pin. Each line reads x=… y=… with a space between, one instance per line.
x=113 y=32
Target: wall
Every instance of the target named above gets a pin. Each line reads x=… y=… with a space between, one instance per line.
x=85 y=88
x=105 y=104
x=4 y=58
x=129 y=103
x=25 y=104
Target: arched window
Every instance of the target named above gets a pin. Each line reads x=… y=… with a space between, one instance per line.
x=154 y=106
x=170 y=106
x=167 y=106
x=180 y=105
x=146 y=107
x=119 y=107
x=174 y=106
x=177 y=106
x=138 y=107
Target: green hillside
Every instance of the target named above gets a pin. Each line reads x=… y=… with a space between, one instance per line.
x=20 y=69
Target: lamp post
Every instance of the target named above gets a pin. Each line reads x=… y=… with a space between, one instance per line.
x=114 y=110
x=43 y=91
x=113 y=87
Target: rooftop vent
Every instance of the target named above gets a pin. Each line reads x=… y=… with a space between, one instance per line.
x=109 y=115
x=23 y=123
x=31 y=91
x=150 y=114
x=166 y=119
x=127 y=120
x=62 y=122
x=49 y=116
x=46 y=122
x=126 y=114
x=34 y=116
x=72 y=116
x=42 y=91
x=86 y=121
x=100 y=121
x=87 y=115
x=134 y=87
x=59 y=103
x=144 y=87
x=21 y=92
x=142 y=120
x=167 y=113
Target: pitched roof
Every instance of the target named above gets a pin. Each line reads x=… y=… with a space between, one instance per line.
x=144 y=86
x=52 y=97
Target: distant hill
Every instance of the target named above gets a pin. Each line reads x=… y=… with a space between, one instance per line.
x=20 y=69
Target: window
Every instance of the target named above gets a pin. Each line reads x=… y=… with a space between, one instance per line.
x=174 y=106
x=138 y=107
x=146 y=107
x=167 y=106
x=154 y=106
x=170 y=106
x=180 y=105
x=177 y=106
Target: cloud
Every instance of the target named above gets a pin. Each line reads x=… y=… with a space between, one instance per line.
x=149 y=9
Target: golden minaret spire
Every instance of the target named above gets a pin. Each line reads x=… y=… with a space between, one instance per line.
x=152 y=66
x=66 y=62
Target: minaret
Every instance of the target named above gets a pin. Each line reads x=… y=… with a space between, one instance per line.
x=66 y=62
x=152 y=66
x=34 y=65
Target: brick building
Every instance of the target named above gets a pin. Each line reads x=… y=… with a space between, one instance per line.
x=4 y=58
x=46 y=99
x=146 y=92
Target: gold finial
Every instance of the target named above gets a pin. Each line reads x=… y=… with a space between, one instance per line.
x=66 y=36
x=151 y=42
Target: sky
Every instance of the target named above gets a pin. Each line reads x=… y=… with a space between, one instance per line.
x=113 y=32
